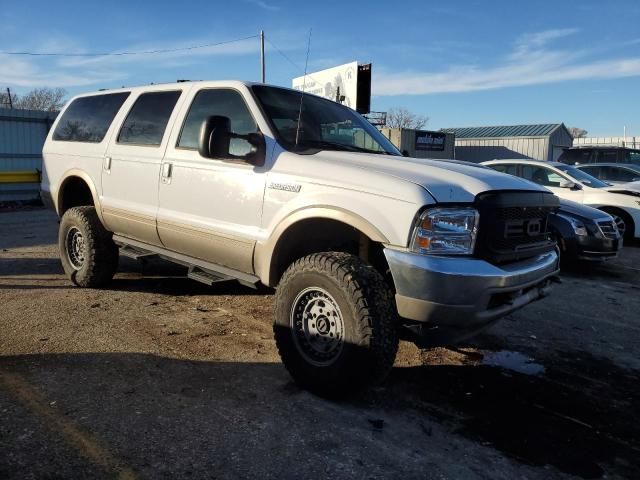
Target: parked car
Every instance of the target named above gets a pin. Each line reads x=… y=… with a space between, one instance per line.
x=267 y=185
x=622 y=202
x=613 y=173
x=584 y=233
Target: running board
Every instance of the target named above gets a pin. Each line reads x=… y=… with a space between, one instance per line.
x=131 y=252
x=200 y=270
x=208 y=278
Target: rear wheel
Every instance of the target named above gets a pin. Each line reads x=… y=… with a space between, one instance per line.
x=335 y=324
x=87 y=252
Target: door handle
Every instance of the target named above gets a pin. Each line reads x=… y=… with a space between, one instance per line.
x=166 y=172
x=107 y=163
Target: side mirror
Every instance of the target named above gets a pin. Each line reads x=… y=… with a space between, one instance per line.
x=567 y=184
x=215 y=141
x=405 y=153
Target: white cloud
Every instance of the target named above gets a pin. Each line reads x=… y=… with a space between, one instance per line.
x=530 y=62
x=264 y=5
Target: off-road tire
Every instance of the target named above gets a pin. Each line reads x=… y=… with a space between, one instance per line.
x=370 y=333
x=100 y=255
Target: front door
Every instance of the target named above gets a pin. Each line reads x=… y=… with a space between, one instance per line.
x=211 y=208
x=131 y=167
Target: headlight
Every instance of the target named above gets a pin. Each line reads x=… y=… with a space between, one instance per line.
x=446 y=231
x=579 y=228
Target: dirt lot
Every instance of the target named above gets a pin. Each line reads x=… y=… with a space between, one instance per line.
x=161 y=377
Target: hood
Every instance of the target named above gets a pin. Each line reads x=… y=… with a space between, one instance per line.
x=580 y=211
x=631 y=188
x=445 y=180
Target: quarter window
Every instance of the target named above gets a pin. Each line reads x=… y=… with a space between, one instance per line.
x=223 y=102
x=148 y=118
x=88 y=119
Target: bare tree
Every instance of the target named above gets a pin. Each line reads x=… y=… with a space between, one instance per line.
x=48 y=99
x=402 y=118
x=577 y=132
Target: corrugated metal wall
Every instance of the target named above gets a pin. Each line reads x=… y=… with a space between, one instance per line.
x=547 y=148
x=483 y=149
x=22 y=134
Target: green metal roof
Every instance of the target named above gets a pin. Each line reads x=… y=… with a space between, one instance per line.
x=540 y=130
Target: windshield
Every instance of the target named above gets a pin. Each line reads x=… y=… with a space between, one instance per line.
x=582 y=177
x=325 y=125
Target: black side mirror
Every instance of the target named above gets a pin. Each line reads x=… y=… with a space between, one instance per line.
x=215 y=137
x=214 y=141
x=405 y=153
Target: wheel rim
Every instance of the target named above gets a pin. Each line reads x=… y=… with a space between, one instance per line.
x=317 y=326
x=622 y=227
x=76 y=247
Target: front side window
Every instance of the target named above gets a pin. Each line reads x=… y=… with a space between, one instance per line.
x=308 y=123
x=223 y=102
x=542 y=176
x=148 y=118
x=622 y=175
x=506 y=168
x=88 y=119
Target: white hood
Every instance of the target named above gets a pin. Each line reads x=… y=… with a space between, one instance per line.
x=445 y=180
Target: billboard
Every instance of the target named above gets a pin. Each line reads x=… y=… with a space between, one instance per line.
x=349 y=84
x=430 y=141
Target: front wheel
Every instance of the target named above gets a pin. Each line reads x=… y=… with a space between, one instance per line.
x=335 y=323
x=87 y=252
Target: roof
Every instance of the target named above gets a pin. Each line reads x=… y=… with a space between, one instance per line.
x=538 y=130
x=521 y=161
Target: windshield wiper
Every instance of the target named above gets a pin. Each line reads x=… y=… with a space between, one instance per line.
x=341 y=146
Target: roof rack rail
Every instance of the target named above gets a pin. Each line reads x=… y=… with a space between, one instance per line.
x=182 y=81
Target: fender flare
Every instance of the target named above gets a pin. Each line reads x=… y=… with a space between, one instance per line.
x=264 y=252
x=84 y=176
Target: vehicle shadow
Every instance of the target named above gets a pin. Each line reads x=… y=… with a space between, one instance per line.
x=152 y=276
x=172 y=418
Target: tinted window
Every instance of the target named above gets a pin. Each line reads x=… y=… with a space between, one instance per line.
x=148 y=118
x=506 y=168
x=87 y=119
x=620 y=174
x=223 y=102
x=542 y=176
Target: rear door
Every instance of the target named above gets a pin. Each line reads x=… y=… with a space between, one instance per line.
x=131 y=167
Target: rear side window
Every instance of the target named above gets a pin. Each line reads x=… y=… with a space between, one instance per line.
x=223 y=102
x=87 y=119
x=148 y=118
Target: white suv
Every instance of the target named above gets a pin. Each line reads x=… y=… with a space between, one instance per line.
x=264 y=184
x=622 y=202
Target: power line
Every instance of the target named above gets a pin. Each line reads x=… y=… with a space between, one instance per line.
x=118 y=54
x=298 y=67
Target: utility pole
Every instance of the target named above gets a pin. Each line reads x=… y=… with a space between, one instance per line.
x=9 y=99
x=264 y=76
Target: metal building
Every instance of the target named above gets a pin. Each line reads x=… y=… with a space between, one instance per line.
x=22 y=135
x=537 y=142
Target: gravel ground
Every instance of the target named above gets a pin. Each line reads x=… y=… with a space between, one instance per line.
x=161 y=377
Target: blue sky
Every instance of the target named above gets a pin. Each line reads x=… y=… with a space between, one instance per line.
x=461 y=63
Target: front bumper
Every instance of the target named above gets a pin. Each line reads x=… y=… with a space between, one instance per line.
x=462 y=294
x=597 y=249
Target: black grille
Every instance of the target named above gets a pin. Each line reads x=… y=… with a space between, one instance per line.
x=608 y=228
x=513 y=225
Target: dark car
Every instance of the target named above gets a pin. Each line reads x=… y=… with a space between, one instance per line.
x=584 y=233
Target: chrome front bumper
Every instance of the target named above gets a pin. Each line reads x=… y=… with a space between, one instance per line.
x=466 y=293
